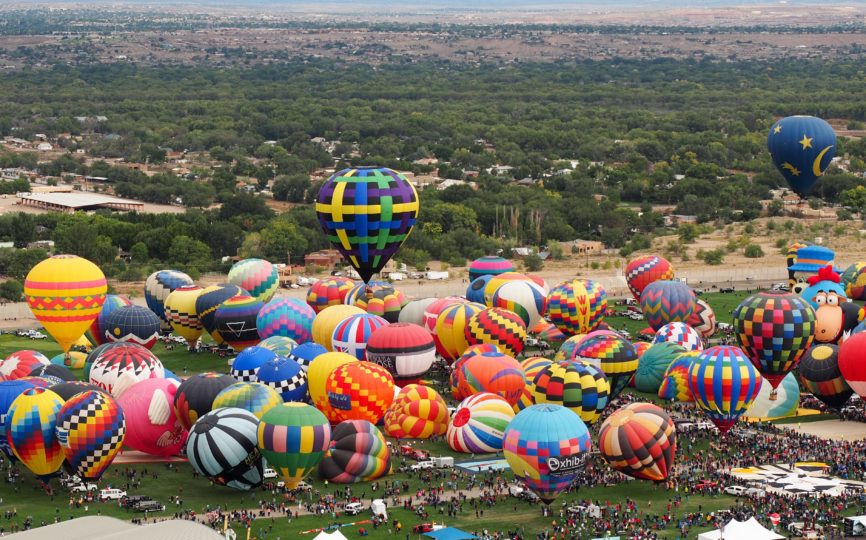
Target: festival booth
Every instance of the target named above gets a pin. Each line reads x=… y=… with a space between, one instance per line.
x=741 y=530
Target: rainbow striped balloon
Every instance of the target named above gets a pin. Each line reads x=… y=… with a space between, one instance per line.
x=479 y=423
x=449 y=331
x=31 y=430
x=328 y=292
x=258 y=277
x=65 y=294
x=532 y=366
x=235 y=321
x=490 y=265
x=568 y=307
x=287 y=317
x=724 y=383
x=293 y=437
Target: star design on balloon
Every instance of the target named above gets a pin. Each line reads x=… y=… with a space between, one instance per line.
x=777 y=129
x=794 y=170
x=806 y=142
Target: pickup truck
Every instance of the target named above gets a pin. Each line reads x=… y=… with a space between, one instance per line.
x=736 y=491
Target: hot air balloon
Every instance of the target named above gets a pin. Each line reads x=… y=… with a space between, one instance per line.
x=546 y=446
x=664 y=302
x=820 y=375
x=195 y=395
x=71 y=360
x=152 y=425
x=653 y=364
x=96 y=332
x=235 y=321
x=247 y=363
x=567 y=350
x=413 y=312
x=675 y=381
x=132 y=324
x=317 y=380
x=9 y=390
x=223 y=447
x=328 y=292
x=328 y=319
x=288 y=317
x=90 y=430
x=786 y=403
x=642 y=271
x=703 y=319
x=479 y=423
x=597 y=302
x=254 y=397
x=293 y=438
x=359 y=290
x=30 y=430
x=367 y=213
x=159 y=285
x=418 y=412
x=549 y=333
x=62 y=373
x=431 y=314
x=119 y=367
x=280 y=345
x=69 y=388
x=532 y=366
x=305 y=353
x=639 y=440
x=475 y=290
x=286 y=377
x=854 y=281
x=498 y=281
x=181 y=314
x=351 y=335
x=405 y=350
x=801 y=148
x=490 y=265
x=21 y=363
x=207 y=303
x=568 y=307
x=256 y=276
x=382 y=300
x=497 y=326
x=449 y=333
x=724 y=383
x=360 y=391
x=495 y=373
x=65 y=294
x=358 y=453
x=525 y=298
x=681 y=334
x=579 y=386
x=457 y=367
x=613 y=354
x=852 y=364
x=774 y=330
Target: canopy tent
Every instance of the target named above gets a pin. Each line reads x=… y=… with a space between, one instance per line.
x=741 y=530
x=108 y=528
x=450 y=533
x=336 y=535
x=855 y=525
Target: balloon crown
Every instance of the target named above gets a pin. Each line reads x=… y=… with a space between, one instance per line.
x=824 y=274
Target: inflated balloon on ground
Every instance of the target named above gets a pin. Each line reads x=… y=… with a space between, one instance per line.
x=350 y=336
x=223 y=447
x=820 y=375
x=305 y=353
x=358 y=453
x=327 y=320
x=497 y=326
x=159 y=285
x=417 y=412
x=246 y=364
x=525 y=298
x=122 y=365
x=675 y=382
x=96 y=332
x=132 y=324
x=579 y=386
x=152 y=425
x=317 y=379
x=680 y=334
x=449 y=332
x=9 y=391
x=31 y=424
x=532 y=366
x=287 y=317
x=90 y=429
x=328 y=292
x=642 y=271
x=21 y=363
x=254 y=397
x=664 y=302
x=407 y=351
x=494 y=373
x=653 y=364
x=286 y=377
x=360 y=391
x=568 y=307
x=258 y=277
x=479 y=423
x=703 y=319
x=207 y=303
x=613 y=354
x=293 y=438
x=181 y=314
x=280 y=345
x=386 y=301
x=235 y=321
x=195 y=395
x=639 y=440
x=489 y=265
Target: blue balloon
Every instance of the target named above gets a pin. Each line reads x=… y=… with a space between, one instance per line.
x=475 y=291
x=9 y=390
x=305 y=353
x=802 y=148
x=134 y=324
x=286 y=377
x=247 y=364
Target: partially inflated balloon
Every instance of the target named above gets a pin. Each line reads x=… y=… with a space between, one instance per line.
x=235 y=321
x=495 y=373
x=489 y=266
x=31 y=431
x=475 y=290
x=639 y=440
x=367 y=213
x=681 y=334
x=613 y=354
x=305 y=353
x=96 y=332
x=418 y=412
x=281 y=345
x=258 y=277
x=152 y=425
x=579 y=386
x=545 y=446
x=820 y=374
x=293 y=438
x=328 y=292
x=159 y=285
x=405 y=350
x=21 y=363
x=802 y=148
x=852 y=362
x=360 y=391
x=181 y=314
x=53 y=371
x=382 y=300
x=90 y=430
x=195 y=395
x=479 y=424
x=223 y=447
x=653 y=365
x=675 y=381
x=132 y=324
x=525 y=298
x=287 y=317
x=413 y=312
x=254 y=397
x=854 y=281
x=358 y=453
x=724 y=383
x=209 y=300
x=327 y=320
x=703 y=319
x=317 y=379
x=532 y=366
x=65 y=294
x=642 y=271
x=664 y=302
x=246 y=364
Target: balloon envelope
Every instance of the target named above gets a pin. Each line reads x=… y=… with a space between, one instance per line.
x=479 y=423
x=96 y=332
x=90 y=430
x=181 y=314
x=417 y=412
x=639 y=440
x=802 y=148
x=159 y=285
x=820 y=374
x=31 y=430
x=195 y=395
x=152 y=425
x=258 y=277
x=293 y=438
x=287 y=317
x=328 y=292
x=724 y=383
x=223 y=446
x=406 y=350
x=642 y=271
x=360 y=391
x=235 y=321
x=358 y=453
x=207 y=303
x=133 y=324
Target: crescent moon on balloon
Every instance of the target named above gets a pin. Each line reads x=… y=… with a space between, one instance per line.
x=816 y=165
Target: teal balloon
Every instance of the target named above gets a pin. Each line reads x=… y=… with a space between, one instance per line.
x=802 y=148
x=653 y=364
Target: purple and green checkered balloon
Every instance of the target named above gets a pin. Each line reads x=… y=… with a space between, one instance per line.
x=367 y=213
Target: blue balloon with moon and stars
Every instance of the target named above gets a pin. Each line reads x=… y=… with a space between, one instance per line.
x=802 y=148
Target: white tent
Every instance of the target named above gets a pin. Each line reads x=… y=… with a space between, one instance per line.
x=741 y=530
x=336 y=535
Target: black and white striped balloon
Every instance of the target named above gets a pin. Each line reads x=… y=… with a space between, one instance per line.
x=222 y=446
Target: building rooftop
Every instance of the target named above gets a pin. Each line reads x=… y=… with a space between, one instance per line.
x=109 y=528
x=76 y=200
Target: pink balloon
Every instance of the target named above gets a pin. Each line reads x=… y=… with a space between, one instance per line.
x=152 y=425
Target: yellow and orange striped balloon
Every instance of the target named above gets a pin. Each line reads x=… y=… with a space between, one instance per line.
x=65 y=293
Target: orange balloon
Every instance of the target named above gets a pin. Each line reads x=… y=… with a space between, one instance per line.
x=360 y=391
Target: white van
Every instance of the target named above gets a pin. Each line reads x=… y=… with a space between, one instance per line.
x=110 y=494
x=423 y=465
x=355 y=508
x=269 y=473
x=379 y=508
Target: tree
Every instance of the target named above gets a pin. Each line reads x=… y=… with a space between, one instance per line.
x=753 y=251
x=291 y=188
x=11 y=290
x=138 y=252
x=189 y=252
x=533 y=262
x=23 y=229
x=281 y=239
x=775 y=208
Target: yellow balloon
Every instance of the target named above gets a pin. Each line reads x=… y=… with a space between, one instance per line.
x=449 y=333
x=181 y=313
x=498 y=281
x=317 y=378
x=65 y=293
x=328 y=319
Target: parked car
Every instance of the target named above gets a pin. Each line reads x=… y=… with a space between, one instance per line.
x=83 y=488
x=148 y=505
x=736 y=491
x=130 y=500
x=269 y=473
x=355 y=508
x=110 y=494
x=727 y=290
x=423 y=465
x=705 y=484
